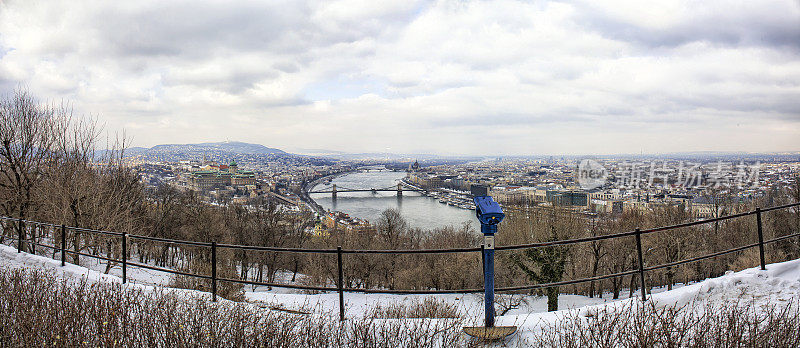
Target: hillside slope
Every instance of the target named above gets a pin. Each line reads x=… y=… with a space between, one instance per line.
x=760 y=290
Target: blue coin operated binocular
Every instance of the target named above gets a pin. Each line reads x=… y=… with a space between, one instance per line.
x=490 y=214
x=488 y=211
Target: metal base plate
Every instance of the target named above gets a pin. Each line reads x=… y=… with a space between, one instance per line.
x=490 y=333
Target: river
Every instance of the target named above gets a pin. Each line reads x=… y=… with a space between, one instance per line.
x=420 y=211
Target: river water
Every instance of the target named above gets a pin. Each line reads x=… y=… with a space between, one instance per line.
x=418 y=210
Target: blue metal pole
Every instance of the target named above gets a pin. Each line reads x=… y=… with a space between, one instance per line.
x=488 y=272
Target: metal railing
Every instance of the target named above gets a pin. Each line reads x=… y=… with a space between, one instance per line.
x=340 y=252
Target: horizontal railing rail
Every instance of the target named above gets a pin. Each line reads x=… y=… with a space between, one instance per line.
x=167 y=240
x=277 y=249
x=641 y=270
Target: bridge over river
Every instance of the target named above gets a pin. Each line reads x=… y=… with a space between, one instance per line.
x=401 y=186
x=366 y=194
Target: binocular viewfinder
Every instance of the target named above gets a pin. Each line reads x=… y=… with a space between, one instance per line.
x=488 y=211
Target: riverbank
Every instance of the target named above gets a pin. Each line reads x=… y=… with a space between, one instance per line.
x=305 y=197
x=450 y=197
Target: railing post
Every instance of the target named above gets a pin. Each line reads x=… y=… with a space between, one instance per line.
x=19 y=237
x=63 y=245
x=124 y=257
x=33 y=239
x=76 y=246
x=641 y=264
x=760 y=239
x=340 y=283
x=214 y=271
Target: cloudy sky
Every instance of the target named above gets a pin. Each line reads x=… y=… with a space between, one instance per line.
x=449 y=77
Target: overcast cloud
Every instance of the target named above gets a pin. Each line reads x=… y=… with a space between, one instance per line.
x=451 y=77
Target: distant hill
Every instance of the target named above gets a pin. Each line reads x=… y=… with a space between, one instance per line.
x=226 y=147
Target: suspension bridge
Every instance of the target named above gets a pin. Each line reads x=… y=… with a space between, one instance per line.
x=333 y=190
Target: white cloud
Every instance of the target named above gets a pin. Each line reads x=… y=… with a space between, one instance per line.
x=449 y=76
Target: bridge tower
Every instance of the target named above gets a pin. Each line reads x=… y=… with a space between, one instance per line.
x=333 y=192
x=399 y=190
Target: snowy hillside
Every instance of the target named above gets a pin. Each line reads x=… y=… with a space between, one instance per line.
x=780 y=283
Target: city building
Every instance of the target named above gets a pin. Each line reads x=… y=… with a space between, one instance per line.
x=214 y=176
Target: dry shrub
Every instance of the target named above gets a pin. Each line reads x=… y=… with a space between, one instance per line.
x=228 y=290
x=731 y=324
x=427 y=308
x=37 y=310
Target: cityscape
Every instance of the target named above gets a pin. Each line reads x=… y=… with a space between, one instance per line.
x=400 y=173
x=696 y=183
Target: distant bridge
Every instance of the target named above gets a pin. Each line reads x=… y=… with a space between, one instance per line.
x=399 y=189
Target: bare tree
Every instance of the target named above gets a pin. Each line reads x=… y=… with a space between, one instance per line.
x=269 y=230
x=673 y=244
x=89 y=191
x=794 y=193
x=28 y=134
x=71 y=180
x=299 y=223
x=392 y=228
x=597 y=248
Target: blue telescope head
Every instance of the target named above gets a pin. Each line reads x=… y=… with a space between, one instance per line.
x=488 y=211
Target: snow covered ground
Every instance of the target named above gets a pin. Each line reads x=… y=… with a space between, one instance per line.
x=356 y=304
x=11 y=259
x=780 y=283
